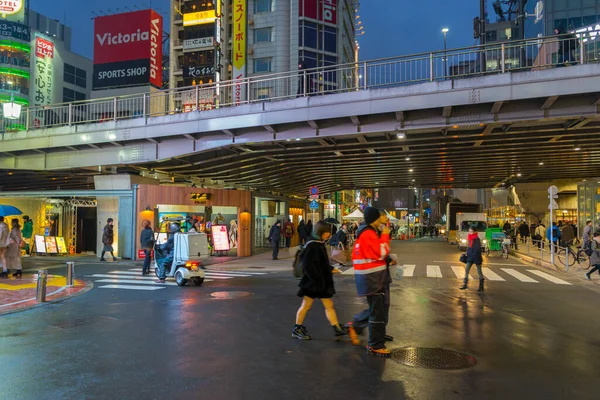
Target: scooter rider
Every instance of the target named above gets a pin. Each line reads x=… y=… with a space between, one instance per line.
x=167 y=248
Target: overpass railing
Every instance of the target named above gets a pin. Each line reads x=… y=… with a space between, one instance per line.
x=496 y=58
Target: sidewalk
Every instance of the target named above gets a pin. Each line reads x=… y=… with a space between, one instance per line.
x=18 y=294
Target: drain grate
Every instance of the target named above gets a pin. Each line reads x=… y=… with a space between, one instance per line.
x=433 y=358
x=230 y=295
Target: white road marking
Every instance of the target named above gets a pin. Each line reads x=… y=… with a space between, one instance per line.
x=549 y=277
x=409 y=269
x=487 y=263
x=459 y=271
x=135 y=281
x=219 y=277
x=233 y=272
x=491 y=275
x=141 y=278
x=130 y=287
x=125 y=272
x=434 y=271
x=518 y=275
x=225 y=274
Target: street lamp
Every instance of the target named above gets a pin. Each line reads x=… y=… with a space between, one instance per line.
x=445 y=32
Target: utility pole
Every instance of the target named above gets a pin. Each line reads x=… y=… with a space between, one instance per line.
x=482 y=34
x=521 y=28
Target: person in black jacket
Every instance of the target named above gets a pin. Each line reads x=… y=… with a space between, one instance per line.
x=147 y=243
x=274 y=238
x=473 y=257
x=316 y=282
x=302 y=233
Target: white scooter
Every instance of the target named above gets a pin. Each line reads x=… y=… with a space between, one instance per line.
x=189 y=250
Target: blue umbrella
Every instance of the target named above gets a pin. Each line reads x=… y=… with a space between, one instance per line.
x=6 y=210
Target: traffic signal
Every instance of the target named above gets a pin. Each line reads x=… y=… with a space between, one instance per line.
x=476 y=28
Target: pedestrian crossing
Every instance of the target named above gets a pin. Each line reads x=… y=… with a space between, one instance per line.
x=491 y=274
x=132 y=279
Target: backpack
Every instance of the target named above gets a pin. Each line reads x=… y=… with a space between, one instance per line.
x=587 y=249
x=297 y=265
x=288 y=230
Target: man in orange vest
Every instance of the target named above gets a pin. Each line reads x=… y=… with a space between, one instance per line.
x=371 y=261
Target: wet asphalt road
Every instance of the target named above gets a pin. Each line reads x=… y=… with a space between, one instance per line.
x=532 y=340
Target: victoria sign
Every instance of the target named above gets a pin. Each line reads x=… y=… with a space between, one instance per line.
x=128 y=49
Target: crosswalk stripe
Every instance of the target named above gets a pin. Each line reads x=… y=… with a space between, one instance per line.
x=409 y=269
x=518 y=275
x=491 y=275
x=434 y=271
x=458 y=271
x=125 y=272
x=130 y=287
x=135 y=281
x=142 y=278
x=549 y=277
x=236 y=272
x=219 y=276
x=225 y=274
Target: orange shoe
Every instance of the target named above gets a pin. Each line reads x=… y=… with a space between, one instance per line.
x=383 y=352
x=353 y=335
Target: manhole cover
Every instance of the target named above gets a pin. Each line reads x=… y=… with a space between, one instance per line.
x=230 y=295
x=434 y=358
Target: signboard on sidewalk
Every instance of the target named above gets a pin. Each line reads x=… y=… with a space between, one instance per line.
x=220 y=238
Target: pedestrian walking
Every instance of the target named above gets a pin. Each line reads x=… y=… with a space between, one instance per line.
x=147 y=244
x=108 y=239
x=274 y=238
x=302 y=232
x=370 y=258
x=288 y=232
x=524 y=231
x=13 y=252
x=4 y=242
x=595 y=257
x=316 y=282
x=309 y=229
x=473 y=257
x=587 y=234
x=567 y=234
x=27 y=233
x=553 y=236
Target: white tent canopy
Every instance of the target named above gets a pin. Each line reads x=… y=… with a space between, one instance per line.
x=356 y=215
x=391 y=217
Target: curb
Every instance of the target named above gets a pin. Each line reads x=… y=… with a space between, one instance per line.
x=88 y=286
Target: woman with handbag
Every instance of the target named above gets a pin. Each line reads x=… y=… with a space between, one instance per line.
x=13 y=254
x=473 y=257
x=316 y=282
x=595 y=256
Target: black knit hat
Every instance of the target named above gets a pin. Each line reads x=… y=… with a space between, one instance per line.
x=371 y=215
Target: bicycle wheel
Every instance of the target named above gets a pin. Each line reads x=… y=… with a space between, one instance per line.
x=487 y=250
x=562 y=257
x=583 y=259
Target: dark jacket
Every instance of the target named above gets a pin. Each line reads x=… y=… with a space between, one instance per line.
x=108 y=235
x=275 y=233
x=474 y=252
x=147 y=238
x=302 y=230
x=524 y=230
x=317 y=279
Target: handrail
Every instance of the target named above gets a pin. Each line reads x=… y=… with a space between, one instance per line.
x=439 y=65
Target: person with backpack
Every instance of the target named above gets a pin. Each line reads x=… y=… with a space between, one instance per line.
x=316 y=282
x=595 y=255
x=288 y=232
x=371 y=261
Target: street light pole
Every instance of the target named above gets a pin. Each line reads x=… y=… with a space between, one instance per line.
x=445 y=32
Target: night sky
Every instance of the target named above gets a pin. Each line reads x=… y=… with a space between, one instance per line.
x=393 y=27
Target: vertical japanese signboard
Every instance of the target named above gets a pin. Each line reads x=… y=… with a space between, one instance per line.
x=43 y=82
x=240 y=9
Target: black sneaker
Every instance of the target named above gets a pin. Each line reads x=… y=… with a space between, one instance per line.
x=389 y=338
x=339 y=332
x=102 y=259
x=300 y=332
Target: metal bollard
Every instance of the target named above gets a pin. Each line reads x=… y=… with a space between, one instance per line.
x=70 y=272
x=42 y=280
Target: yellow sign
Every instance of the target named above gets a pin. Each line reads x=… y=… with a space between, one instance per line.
x=239 y=35
x=200 y=17
x=9 y=7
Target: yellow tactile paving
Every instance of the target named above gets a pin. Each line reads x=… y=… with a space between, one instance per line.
x=55 y=281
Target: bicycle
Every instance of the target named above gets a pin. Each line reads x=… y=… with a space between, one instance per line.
x=580 y=257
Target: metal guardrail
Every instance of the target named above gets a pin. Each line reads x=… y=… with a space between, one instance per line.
x=497 y=58
x=563 y=260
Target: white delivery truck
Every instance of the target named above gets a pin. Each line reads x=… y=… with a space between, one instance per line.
x=464 y=221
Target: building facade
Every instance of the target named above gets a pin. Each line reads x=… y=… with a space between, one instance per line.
x=213 y=41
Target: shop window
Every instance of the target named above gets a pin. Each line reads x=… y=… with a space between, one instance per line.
x=263 y=35
x=262 y=65
x=263 y=6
